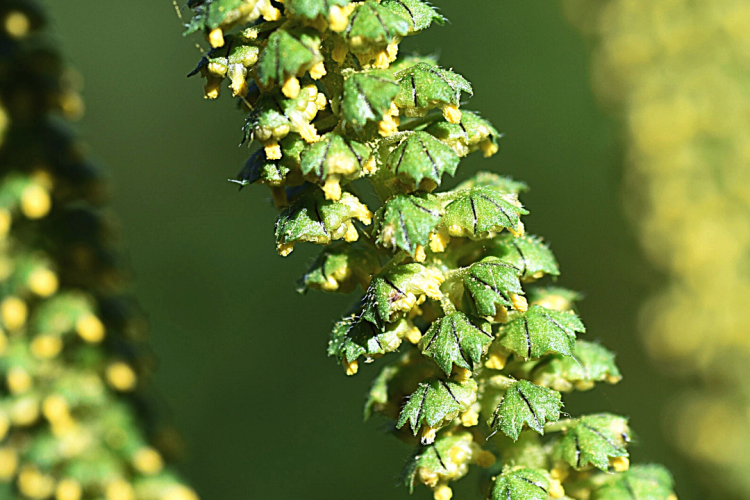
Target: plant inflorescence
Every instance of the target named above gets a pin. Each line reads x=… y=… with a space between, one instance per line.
x=479 y=347
x=677 y=73
x=75 y=419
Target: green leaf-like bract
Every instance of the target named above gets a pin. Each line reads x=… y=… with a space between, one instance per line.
x=490 y=282
x=334 y=154
x=499 y=183
x=367 y=97
x=640 y=482
x=286 y=56
x=211 y=15
x=541 y=330
x=589 y=363
x=527 y=253
x=372 y=24
x=456 y=339
x=436 y=400
x=480 y=211
x=593 y=440
x=314 y=219
x=311 y=9
x=435 y=458
x=424 y=86
x=526 y=403
x=419 y=14
x=391 y=292
x=421 y=156
x=521 y=484
x=340 y=268
x=471 y=134
x=352 y=337
x=284 y=172
x=407 y=221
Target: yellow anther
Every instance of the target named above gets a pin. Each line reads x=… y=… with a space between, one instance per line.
x=212 y=87
x=556 y=302
x=351 y=234
x=55 y=408
x=488 y=148
x=35 y=201
x=148 y=461
x=502 y=315
x=68 y=489
x=613 y=379
x=370 y=166
x=121 y=376
x=318 y=71
x=43 y=282
x=216 y=38
x=119 y=489
x=321 y=101
x=216 y=68
x=8 y=464
x=443 y=492
x=271 y=14
x=13 y=312
x=519 y=302
x=18 y=380
x=496 y=361
x=556 y=489
x=309 y=133
x=419 y=254
x=428 y=435
x=34 y=484
x=351 y=368
x=620 y=464
x=452 y=114
x=284 y=249
x=439 y=241
x=518 y=231
x=413 y=335
x=392 y=51
x=90 y=328
x=485 y=459
x=332 y=190
x=382 y=60
x=273 y=150
x=462 y=374
x=388 y=126
x=291 y=88
x=46 y=346
x=469 y=418
x=17 y=24
x=339 y=18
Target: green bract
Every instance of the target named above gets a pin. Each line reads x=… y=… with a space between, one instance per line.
x=592 y=440
x=456 y=339
x=642 y=482
x=473 y=358
x=521 y=484
x=540 y=331
x=526 y=403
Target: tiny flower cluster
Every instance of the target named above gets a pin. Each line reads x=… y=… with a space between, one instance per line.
x=72 y=360
x=479 y=350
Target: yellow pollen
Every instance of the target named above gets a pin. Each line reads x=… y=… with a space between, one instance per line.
x=212 y=87
x=469 y=418
x=318 y=71
x=339 y=18
x=332 y=189
x=488 y=148
x=351 y=368
x=519 y=302
x=519 y=231
x=284 y=249
x=351 y=234
x=413 y=335
x=273 y=150
x=428 y=435
x=272 y=14
x=452 y=114
x=443 y=492
x=291 y=88
x=216 y=38
x=419 y=254
x=309 y=133
x=556 y=489
x=496 y=362
x=620 y=464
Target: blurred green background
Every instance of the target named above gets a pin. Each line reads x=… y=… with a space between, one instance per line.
x=242 y=368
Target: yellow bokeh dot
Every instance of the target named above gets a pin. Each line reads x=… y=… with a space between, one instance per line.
x=25 y=411
x=17 y=24
x=90 y=328
x=120 y=489
x=46 y=346
x=179 y=492
x=34 y=484
x=43 y=282
x=35 y=202
x=55 y=408
x=8 y=464
x=6 y=220
x=18 y=380
x=148 y=461
x=121 y=376
x=68 y=489
x=13 y=312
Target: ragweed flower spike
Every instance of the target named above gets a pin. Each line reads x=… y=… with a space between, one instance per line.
x=476 y=354
x=72 y=359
